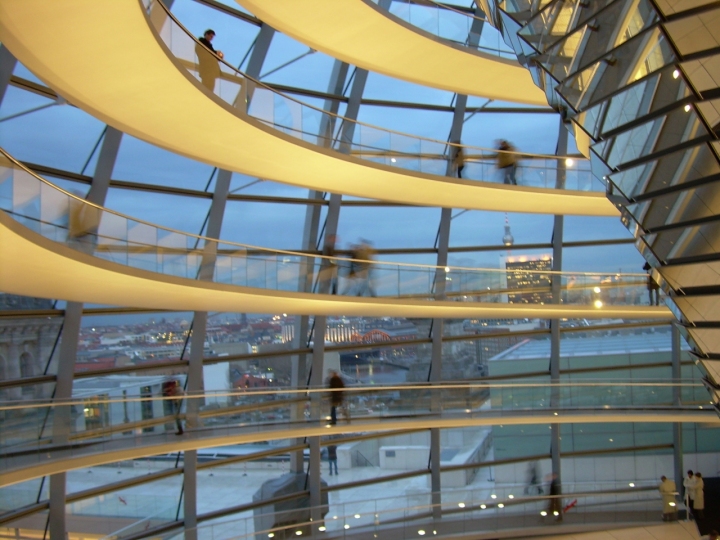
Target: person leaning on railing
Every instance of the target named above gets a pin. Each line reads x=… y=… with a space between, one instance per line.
x=208 y=65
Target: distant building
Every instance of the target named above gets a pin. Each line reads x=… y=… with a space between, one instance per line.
x=530 y=273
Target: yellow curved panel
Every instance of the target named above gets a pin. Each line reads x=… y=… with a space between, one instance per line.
x=104 y=57
x=32 y=265
x=361 y=33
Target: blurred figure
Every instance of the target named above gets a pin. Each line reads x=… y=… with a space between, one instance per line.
x=533 y=486
x=507 y=161
x=332 y=459
x=352 y=273
x=652 y=287
x=690 y=483
x=337 y=396
x=83 y=219
x=555 y=502
x=699 y=500
x=364 y=255
x=459 y=159
x=712 y=535
x=667 y=490
x=329 y=270
x=175 y=392
x=208 y=65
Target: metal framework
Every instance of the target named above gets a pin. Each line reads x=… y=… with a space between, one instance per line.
x=315 y=237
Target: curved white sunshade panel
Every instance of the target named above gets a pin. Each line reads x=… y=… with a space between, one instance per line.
x=361 y=33
x=33 y=265
x=106 y=58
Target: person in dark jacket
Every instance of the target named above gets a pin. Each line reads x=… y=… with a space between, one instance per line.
x=332 y=458
x=459 y=160
x=175 y=391
x=652 y=287
x=337 y=397
x=555 y=503
x=329 y=267
x=208 y=65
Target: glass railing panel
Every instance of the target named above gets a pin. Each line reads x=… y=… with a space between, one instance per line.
x=106 y=417
x=126 y=241
x=412 y=516
x=23 y=426
x=23 y=494
x=452 y=24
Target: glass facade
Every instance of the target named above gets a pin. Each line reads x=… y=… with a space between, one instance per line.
x=242 y=372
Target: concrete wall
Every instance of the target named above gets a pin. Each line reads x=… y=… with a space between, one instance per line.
x=404 y=458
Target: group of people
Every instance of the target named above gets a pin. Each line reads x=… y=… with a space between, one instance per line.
x=506 y=157
x=694 y=496
x=359 y=272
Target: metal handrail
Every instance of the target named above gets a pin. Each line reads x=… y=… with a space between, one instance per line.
x=274 y=251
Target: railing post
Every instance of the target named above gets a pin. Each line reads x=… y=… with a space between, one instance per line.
x=7 y=66
x=556 y=287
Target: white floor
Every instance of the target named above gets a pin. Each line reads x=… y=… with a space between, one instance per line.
x=665 y=531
